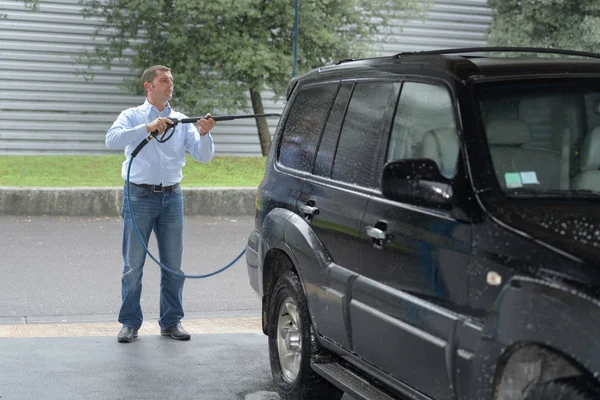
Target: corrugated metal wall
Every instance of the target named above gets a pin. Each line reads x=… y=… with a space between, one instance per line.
x=46 y=108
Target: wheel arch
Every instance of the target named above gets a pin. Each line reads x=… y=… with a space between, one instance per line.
x=277 y=261
x=543 y=329
x=290 y=245
x=525 y=364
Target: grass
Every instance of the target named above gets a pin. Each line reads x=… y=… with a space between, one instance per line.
x=72 y=171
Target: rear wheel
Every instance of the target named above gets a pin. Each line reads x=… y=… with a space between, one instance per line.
x=564 y=389
x=291 y=345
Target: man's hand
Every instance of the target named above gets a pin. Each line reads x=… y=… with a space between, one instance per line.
x=206 y=124
x=160 y=124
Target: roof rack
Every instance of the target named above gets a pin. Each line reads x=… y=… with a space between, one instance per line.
x=500 y=49
x=345 y=60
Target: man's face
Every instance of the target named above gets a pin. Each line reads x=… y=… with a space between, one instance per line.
x=161 y=88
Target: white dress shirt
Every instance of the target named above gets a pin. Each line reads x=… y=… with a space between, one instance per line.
x=157 y=163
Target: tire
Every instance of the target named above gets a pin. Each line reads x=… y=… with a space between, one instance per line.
x=564 y=389
x=291 y=345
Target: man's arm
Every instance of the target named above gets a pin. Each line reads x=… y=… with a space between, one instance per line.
x=202 y=148
x=200 y=144
x=123 y=132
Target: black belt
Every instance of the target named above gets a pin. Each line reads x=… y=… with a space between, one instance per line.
x=158 y=188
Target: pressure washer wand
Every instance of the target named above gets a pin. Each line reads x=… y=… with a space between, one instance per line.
x=221 y=118
x=154 y=135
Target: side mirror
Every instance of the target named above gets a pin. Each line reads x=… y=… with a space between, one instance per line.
x=417 y=181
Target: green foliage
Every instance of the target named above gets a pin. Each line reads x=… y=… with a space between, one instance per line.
x=567 y=24
x=219 y=49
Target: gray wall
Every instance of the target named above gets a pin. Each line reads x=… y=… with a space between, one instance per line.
x=46 y=108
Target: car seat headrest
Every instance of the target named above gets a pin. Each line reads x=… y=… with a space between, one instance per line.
x=509 y=132
x=590 y=151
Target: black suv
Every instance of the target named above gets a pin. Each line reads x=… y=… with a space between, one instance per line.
x=428 y=226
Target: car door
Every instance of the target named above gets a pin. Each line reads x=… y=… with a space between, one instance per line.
x=334 y=197
x=414 y=259
x=301 y=132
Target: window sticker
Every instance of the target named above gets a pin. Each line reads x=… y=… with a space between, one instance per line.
x=513 y=180
x=529 y=178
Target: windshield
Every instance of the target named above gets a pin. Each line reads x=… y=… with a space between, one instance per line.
x=543 y=136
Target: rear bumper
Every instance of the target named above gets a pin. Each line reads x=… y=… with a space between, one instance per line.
x=253 y=262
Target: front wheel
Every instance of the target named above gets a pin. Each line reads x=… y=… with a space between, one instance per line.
x=564 y=389
x=291 y=345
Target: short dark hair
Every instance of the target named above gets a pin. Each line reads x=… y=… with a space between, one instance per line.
x=150 y=73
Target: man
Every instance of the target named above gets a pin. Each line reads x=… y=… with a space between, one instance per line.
x=156 y=199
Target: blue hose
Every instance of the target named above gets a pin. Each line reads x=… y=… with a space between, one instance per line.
x=148 y=251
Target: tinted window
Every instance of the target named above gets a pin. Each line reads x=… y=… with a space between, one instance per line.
x=539 y=133
x=332 y=132
x=304 y=125
x=356 y=159
x=424 y=127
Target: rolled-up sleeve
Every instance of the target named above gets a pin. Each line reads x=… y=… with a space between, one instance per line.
x=202 y=148
x=124 y=131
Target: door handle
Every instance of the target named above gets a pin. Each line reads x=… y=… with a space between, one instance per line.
x=375 y=233
x=379 y=234
x=309 y=210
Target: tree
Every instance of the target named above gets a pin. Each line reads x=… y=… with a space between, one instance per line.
x=566 y=24
x=222 y=50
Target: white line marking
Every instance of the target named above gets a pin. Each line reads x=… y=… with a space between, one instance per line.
x=197 y=326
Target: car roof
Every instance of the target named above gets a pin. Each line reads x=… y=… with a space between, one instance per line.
x=491 y=67
x=466 y=66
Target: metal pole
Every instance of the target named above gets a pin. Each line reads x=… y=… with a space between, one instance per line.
x=295 y=38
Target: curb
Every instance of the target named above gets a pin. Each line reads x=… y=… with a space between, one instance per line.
x=107 y=201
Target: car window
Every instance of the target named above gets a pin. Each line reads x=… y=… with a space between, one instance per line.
x=356 y=159
x=542 y=134
x=304 y=125
x=424 y=127
x=331 y=133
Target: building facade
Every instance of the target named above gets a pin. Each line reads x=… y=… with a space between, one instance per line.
x=48 y=107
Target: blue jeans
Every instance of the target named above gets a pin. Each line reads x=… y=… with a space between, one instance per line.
x=163 y=213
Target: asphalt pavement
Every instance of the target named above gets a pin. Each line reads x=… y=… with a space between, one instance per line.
x=69 y=268
x=59 y=299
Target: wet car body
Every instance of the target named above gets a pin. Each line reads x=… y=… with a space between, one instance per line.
x=474 y=278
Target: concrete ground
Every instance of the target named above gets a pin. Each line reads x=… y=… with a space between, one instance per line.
x=49 y=352
x=226 y=359
x=209 y=366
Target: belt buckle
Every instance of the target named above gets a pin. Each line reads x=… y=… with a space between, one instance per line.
x=158 y=188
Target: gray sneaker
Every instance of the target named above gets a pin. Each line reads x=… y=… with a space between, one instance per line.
x=176 y=332
x=127 y=335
